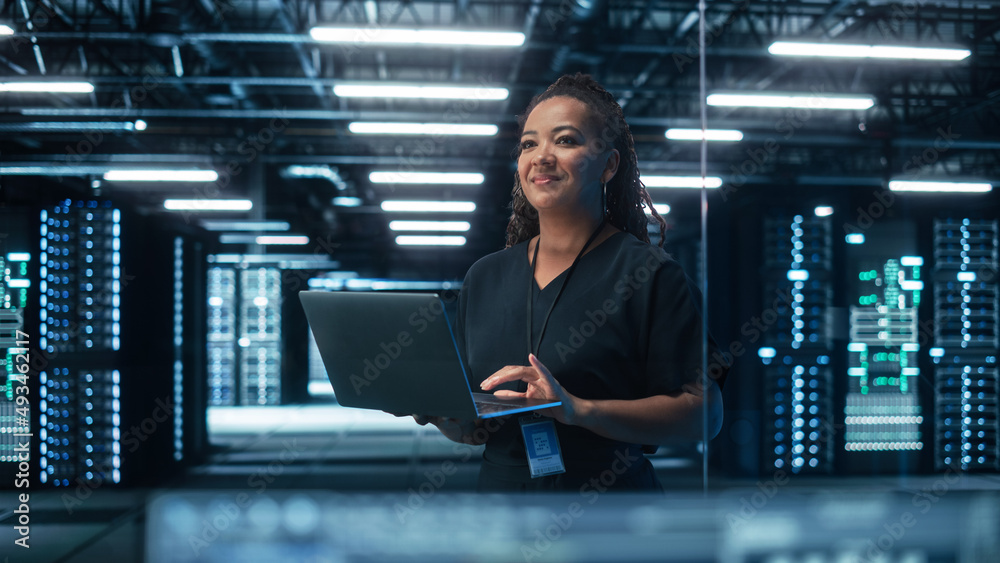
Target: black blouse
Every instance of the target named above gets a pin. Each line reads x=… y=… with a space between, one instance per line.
x=626 y=326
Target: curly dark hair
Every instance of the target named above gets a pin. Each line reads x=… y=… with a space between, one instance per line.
x=625 y=192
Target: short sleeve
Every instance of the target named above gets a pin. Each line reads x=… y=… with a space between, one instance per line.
x=674 y=342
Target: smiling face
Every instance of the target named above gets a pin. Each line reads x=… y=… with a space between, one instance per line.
x=563 y=160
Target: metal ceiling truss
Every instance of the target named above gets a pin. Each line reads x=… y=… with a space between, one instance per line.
x=210 y=75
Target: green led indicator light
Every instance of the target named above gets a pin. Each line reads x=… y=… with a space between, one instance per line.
x=868 y=276
x=864 y=389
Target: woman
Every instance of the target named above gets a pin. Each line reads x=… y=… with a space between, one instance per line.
x=615 y=333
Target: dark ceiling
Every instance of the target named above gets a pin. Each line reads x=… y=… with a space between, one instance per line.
x=242 y=88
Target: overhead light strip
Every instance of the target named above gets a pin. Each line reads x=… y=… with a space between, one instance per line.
x=208 y=204
x=832 y=50
x=453 y=226
x=380 y=128
x=791 y=101
x=298 y=240
x=680 y=182
x=361 y=36
x=386 y=90
x=388 y=177
x=408 y=206
x=347 y=201
x=428 y=240
x=317 y=260
x=729 y=135
x=245 y=225
x=60 y=126
x=48 y=87
x=161 y=175
x=952 y=187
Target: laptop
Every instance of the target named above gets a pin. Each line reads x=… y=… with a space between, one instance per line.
x=396 y=352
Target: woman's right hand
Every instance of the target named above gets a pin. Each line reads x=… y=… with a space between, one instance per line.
x=455 y=429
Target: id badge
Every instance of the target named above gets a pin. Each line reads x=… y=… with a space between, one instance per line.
x=541 y=446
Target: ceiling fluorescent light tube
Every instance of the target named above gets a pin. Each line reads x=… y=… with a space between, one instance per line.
x=427 y=240
x=453 y=226
x=953 y=187
x=468 y=129
x=231 y=238
x=283 y=239
x=426 y=178
x=791 y=101
x=709 y=134
x=207 y=204
x=376 y=35
x=58 y=126
x=347 y=201
x=52 y=87
x=680 y=181
x=429 y=206
x=161 y=176
x=832 y=50
x=245 y=225
x=379 y=90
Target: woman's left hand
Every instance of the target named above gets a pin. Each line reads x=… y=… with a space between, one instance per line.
x=541 y=385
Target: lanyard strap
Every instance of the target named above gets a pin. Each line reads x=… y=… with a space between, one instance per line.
x=531 y=282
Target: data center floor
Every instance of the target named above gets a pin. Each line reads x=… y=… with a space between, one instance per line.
x=914 y=519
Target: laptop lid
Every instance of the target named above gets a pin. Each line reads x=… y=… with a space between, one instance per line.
x=390 y=351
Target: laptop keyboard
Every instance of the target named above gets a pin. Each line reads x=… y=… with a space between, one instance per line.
x=486 y=407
